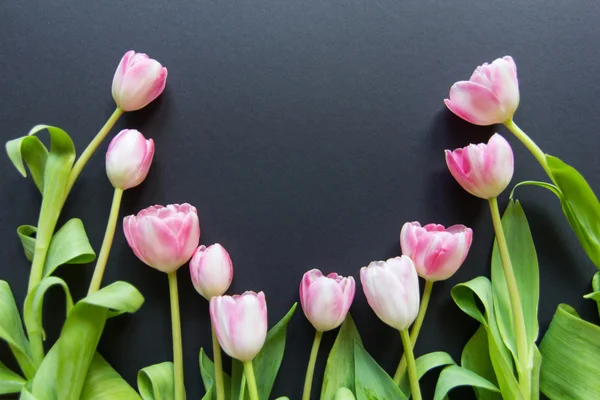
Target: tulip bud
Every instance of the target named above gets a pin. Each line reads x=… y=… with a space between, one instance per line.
x=437 y=252
x=344 y=393
x=326 y=299
x=138 y=81
x=392 y=290
x=484 y=170
x=163 y=237
x=211 y=271
x=240 y=323
x=491 y=96
x=128 y=159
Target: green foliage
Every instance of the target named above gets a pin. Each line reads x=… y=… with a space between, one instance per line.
x=424 y=364
x=156 y=382
x=454 y=376
x=476 y=357
x=103 y=382
x=207 y=372
x=372 y=382
x=10 y=382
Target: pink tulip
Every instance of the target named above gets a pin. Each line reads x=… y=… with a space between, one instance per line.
x=138 y=81
x=484 y=170
x=128 y=159
x=240 y=323
x=326 y=299
x=211 y=270
x=392 y=290
x=491 y=96
x=163 y=237
x=436 y=251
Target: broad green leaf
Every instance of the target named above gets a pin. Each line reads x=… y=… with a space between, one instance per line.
x=339 y=370
x=10 y=382
x=535 y=374
x=207 y=372
x=11 y=330
x=31 y=150
x=424 y=364
x=63 y=372
x=103 y=382
x=372 y=382
x=344 y=393
x=69 y=245
x=476 y=357
x=32 y=310
x=544 y=185
x=266 y=363
x=525 y=267
x=26 y=394
x=26 y=233
x=570 y=350
x=454 y=376
x=595 y=295
x=156 y=382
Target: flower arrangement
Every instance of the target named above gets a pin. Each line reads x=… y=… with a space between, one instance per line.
x=503 y=358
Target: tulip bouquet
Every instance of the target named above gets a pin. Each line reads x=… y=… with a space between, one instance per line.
x=501 y=360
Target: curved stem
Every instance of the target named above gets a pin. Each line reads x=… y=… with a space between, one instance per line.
x=416 y=328
x=415 y=389
x=107 y=242
x=242 y=395
x=251 y=379
x=91 y=148
x=310 y=369
x=530 y=144
x=515 y=301
x=218 y=366
x=176 y=328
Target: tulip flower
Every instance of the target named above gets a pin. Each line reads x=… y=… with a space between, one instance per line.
x=491 y=96
x=165 y=238
x=325 y=301
x=211 y=270
x=240 y=323
x=128 y=159
x=484 y=170
x=138 y=81
x=392 y=290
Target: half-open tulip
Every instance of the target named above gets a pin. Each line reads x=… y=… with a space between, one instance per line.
x=491 y=96
x=164 y=238
x=138 y=80
x=240 y=323
x=437 y=252
x=392 y=290
x=211 y=270
x=326 y=299
x=128 y=159
x=484 y=170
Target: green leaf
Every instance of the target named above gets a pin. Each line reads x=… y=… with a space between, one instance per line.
x=476 y=357
x=26 y=233
x=339 y=370
x=11 y=330
x=10 y=382
x=525 y=266
x=344 y=393
x=455 y=376
x=266 y=363
x=570 y=350
x=544 y=185
x=372 y=382
x=207 y=372
x=424 y=364
x=69 y=245
x=31 y=150
x=63 y=372
x=595 y=295
x=535 y=374
x=156 y=382
x=103 y=382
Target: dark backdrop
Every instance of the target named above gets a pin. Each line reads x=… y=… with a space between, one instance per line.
x=306 y=133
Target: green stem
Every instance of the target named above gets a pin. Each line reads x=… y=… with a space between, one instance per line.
x=242 y=395
x=176 y=328
x=107 y=242
x=218 y=366
x=515 y=301
x=91 y=148
x=251 y=379
x=415 y=389
x=530 y=144
x=310 y=369
x=416 y=328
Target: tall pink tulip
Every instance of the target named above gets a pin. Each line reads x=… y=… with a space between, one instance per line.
x=491 y=96
x=128 y=159
x=240 y=323
x=164 y=238
x=211 y=270
x=436 y=251
x=138 y=80
x=484 y=170
x=326 y=299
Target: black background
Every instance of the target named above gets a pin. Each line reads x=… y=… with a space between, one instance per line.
x=306 y=133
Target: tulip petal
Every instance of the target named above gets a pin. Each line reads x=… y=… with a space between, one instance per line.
x=475 y=103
